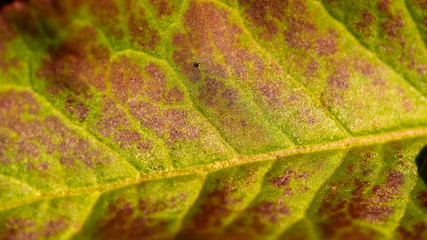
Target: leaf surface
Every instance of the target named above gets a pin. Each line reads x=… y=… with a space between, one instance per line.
x=196 y=119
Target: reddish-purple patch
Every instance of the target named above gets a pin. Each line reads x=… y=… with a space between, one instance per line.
x=21 y=228
x=210 y=30
x=284 y=180
x=311 y=68
x=169 y=123
x=140 y=31
x=326 y=44
x=393 y=25
x=77 y=64
x=338 y=84
x=112 y=118
x=215 y=206
x=416 y=232
x=76 y=107
x=107 y=14
x=364 y=25
x=115 y=123
x=364 y=67
x=271 y=91
x=264 y=13
x=48 y=132
x=271 y=211
x=53 y=227
x=372 y=206
x=257 y=218
x=126 y=221
x=7 y=33
x=300 y=33
x=422 y=197
x=421 y=4
x=128 y=82
x=163 y=7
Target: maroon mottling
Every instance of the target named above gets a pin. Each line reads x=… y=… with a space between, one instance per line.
x=284 y=180
x=44 y=166
x=21 y=228
x=211 y=32
x=364 y=25
x=311 y=68
x=112 y=118
x=140 y=31
x=338 y=83
x=395 y=179
x=416 y=232
x=271 y=91
x=67 y=161
x=326 y=45
x=300 y=32
x=264 y=13
x=77 y=64
x=173 y=95
x=422 y=197
x=372 y=206
x=209 y=91
x=421 y=3
x=129 y=82
x=25 y=16
x=106 y=13
x=150 y=116
x=258 y=217
x=157 y=85
x=365 y=208
x=364 y=67
x=48 y=131
x=127 y=221
x=172 y=122
x=339 y=79
x=126 y=138
x=384 y=7
x=215 y=206
x=393 y=25
x=272 y=211
x=76 y=107
x=53 y=227
x=163 y=7
x=126 y=79
x=281 y=181
x=7 y=33
x=112 y=124
x=204 y=37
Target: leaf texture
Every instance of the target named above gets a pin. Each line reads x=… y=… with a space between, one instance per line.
x=197 y=119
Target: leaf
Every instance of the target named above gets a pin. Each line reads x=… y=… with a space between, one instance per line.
x=294 y=119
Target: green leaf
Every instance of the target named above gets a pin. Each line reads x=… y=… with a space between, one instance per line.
x=197 y=119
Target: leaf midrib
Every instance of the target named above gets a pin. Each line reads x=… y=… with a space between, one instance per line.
x=202 y=170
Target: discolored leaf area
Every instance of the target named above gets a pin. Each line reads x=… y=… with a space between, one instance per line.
x=210 y=119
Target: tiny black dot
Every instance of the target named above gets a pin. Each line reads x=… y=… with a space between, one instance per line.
x=196 y=64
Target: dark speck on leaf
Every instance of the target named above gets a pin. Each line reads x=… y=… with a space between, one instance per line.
x=196 y=64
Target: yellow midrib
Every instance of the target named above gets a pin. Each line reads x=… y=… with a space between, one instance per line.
x=342 y=144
